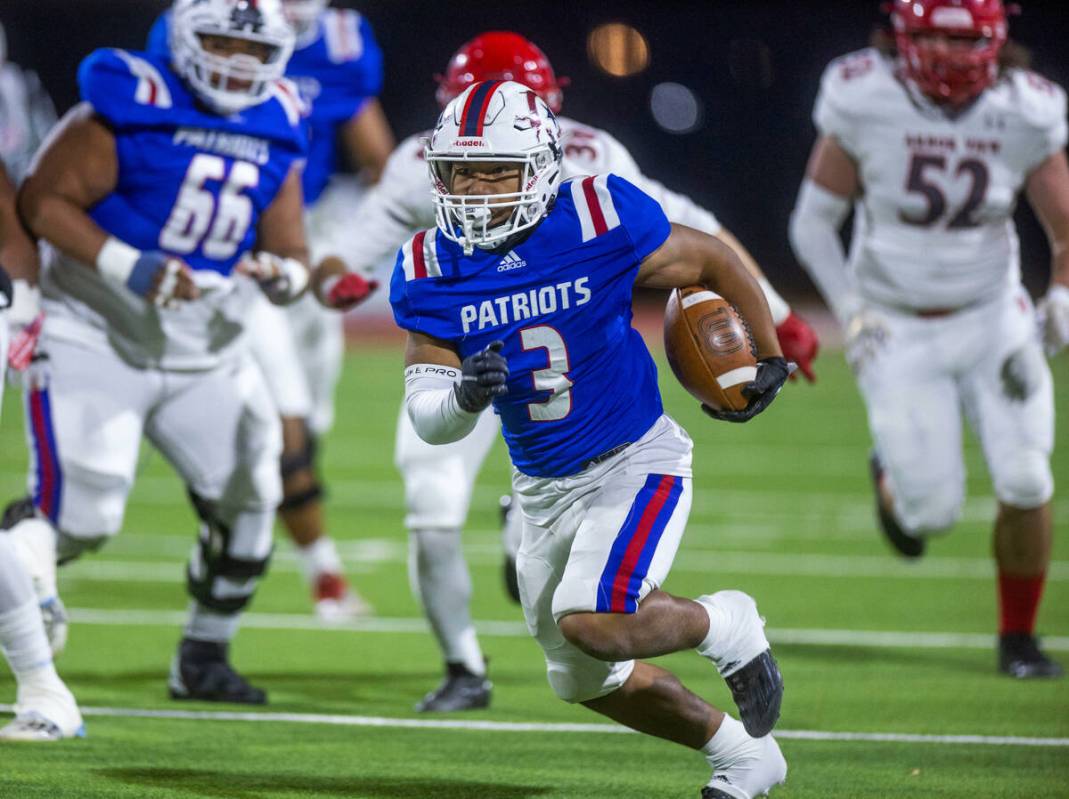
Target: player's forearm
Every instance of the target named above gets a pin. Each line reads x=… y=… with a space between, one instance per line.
x=431 y=403
x=776 y=304
x=63 y=224
x=814 y=235
x=18 y=252
x=725 y=274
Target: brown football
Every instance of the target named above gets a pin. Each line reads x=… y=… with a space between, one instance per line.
x=709 y=347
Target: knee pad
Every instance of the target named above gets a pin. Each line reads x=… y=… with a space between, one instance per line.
x=293 y=463
x=1024 y=480
x=216 y=578
x=577 y=677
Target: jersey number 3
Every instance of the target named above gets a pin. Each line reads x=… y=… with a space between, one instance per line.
x=552 y=379
x=190 y=223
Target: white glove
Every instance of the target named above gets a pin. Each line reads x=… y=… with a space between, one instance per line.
x=1054 y=319
x=867 y=333
x=281 y=279
x=25 y=304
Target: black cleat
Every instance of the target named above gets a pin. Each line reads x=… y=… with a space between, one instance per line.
x=201 y=671
x=757 y=689
x=15 y=511
x=1019 y=656
x=905 y=544
x=460 y=690
x=715 y=793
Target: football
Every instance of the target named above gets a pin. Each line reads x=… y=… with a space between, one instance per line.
x=709 y=347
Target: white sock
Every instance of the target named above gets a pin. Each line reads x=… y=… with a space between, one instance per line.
x=721 y=748
x=717 y=622
x=440 y=578
x=34 y=541
x=207 y=625
x=25 y=645
x=319 y=557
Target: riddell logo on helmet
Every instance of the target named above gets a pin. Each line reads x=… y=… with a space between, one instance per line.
x=470 y=141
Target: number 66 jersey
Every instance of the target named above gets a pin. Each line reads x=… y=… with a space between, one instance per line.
x=933 y=228
x=190 y=183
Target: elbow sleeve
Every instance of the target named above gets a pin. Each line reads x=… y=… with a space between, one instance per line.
x=431 y=404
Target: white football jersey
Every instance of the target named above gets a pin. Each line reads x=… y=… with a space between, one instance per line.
x=933 y=226
x=400 y=203
x=26 y=116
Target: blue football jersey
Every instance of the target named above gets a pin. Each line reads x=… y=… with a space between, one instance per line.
x=581 y=380
x=337 y=72
x=190 y=183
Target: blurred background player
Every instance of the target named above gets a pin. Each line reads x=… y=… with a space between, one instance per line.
x=932 y=135
x=45 y=710
x=338 y=66
x=439 y=479
x=150 y=195
x=602 y=475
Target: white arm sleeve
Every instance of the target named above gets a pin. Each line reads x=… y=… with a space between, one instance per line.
x=431 y=403
x=814 y=234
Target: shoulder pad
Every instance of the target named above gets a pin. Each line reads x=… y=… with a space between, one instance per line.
x=594 y=204
x=116 y=83
x=343 y=33
x=419 y=256
x=852 y=76
x=289 y=97
x=1042 y=101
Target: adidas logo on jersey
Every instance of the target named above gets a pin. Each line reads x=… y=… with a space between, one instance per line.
x=511 y=261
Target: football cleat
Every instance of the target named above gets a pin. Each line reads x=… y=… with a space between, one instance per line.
x=1019 y=656
x=201 y=671
x=44 y=712
x=512 y=580
x=460 y=690
x=336 y=602
x=905 y=544
x=754 y=771
x=742 y=656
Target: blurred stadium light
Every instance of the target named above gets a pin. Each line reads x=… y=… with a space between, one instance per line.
x=618 y=49
x=675 y=107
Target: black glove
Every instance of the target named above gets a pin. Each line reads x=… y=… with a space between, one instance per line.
x=772 y=373
x=484 y=376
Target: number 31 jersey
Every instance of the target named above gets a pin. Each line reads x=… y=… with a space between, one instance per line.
x=581 y=381
x=190 y=183
x=933 y=227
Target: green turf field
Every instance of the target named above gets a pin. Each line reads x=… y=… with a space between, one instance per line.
x=869 y=647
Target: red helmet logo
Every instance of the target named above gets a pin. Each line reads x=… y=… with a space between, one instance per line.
x=501 y=55
x=950 y=48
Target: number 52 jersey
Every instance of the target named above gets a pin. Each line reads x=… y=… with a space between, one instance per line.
x=581 y=381
x=190 y=183
x=933 y=227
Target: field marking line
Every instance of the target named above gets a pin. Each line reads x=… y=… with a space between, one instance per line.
x=878 y=639
x=546 y=727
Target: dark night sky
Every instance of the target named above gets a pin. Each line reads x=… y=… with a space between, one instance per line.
x=744 y=162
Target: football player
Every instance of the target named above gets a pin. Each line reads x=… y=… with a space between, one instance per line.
x=151 y=195
x=439 y=480
x=45 y=709
x=337 y=64
x=602 y=476
x=931 y=137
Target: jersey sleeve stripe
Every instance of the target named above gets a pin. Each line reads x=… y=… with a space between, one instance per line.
x=607 y=206
x=593 y=206
x=151 y=87
x=430 y=254
x=344 y=42
x=288 y=98
x=419 y=259
x=581 y=210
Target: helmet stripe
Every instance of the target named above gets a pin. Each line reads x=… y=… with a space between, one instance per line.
x=471 y=122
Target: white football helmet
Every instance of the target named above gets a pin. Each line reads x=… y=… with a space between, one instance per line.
x=229 y=84
x=303 y=16
x=494 y=121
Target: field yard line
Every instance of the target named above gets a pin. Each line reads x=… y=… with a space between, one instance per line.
x=512 y=726
x=516 y=629
x=689 y=561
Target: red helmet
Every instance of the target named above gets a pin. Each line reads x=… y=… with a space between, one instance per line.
x=950 y=74
x=501 y=55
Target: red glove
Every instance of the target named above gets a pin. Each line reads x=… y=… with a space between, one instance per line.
x=348 y=290
x=20 y=350
x=799 y=343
